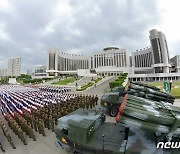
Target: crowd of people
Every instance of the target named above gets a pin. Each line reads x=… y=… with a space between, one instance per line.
x=29 y=110
x=56 y=89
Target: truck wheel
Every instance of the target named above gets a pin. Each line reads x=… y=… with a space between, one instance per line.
x=113 y=112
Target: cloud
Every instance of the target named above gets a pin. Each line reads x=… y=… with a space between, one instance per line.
x=84 y=27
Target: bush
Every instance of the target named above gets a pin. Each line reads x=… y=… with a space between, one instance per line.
x=33 y=81
x=115 y=84
x=98 y=79
x=85 y=86
x=65 y=81
x=118 y=82
x=47 y=79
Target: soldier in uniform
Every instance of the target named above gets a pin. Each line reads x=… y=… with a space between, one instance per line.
x=9 y=139
x=51 y=120
x=31 y=132
x=30 y=120
x=34 y=123
x=41 y=127
x=87 y=104
x=96 y=99
x=21 y=136
x=55 y=116
x=45 y=120
x=2 y=147
x=26 y=127
x=93 y=101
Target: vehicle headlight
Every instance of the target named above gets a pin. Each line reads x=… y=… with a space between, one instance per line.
x=105 y=103
x=63 y=140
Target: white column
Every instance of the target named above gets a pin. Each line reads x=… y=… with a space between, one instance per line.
x=118 y=60
x=103 y=60
x=56 y=61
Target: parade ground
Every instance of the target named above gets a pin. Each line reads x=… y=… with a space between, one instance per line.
x=47 y=144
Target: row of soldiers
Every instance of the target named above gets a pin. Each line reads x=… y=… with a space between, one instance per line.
x=47 y=116
x=55 y=89
x=6 y=134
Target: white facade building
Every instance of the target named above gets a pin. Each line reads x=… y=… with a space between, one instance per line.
x=160 y=52
x=40 y=71
x=3 y=72
x=151 y=63
x=175 y=63
x=62 y=63
x=110 y=61
x=14 y=66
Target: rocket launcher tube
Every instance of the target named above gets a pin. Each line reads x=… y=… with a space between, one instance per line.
x=147 y=110
x=148 y=116
x=163 y=122
x=130 y=121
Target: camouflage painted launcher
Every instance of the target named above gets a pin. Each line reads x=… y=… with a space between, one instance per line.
x=150 y=115
x=150 y=92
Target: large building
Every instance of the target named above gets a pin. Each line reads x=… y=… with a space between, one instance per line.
x=40 y=71
x=175 y=64
x=62 y=63
x=150 y=63
x=14 y=67
x=3 y=72
x=160 y=52
x=110 y=61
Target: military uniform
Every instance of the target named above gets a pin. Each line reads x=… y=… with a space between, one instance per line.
x=2 y=147
x=34 y=123
x=51 y=120
x=9 y=140
x=41 y=127
x=21 y=136
x=31 y=132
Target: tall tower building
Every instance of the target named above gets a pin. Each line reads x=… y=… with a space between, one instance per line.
x=159 y=51
x=14 y=66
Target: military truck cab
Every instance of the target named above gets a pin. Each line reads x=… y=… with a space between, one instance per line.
x=85 y=131
x=111 y=101
x=77 y=127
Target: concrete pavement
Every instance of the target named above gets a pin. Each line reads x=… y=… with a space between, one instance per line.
x=46 y=145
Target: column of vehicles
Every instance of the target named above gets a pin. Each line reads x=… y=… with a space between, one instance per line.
x=146 y=123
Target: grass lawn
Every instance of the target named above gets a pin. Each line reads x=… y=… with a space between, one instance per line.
x=65 y=81
x=175 y=91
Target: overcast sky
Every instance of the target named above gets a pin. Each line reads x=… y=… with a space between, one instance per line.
x=28 y=28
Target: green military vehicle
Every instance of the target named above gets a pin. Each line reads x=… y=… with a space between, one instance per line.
x=87 y=132
x=161 y=118
x=150 y=92
x=111 y=101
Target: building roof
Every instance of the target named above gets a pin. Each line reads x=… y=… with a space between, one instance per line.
x=110 y=48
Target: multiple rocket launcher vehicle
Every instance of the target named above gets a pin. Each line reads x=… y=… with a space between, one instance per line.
x=145 y=118
x=111 y=101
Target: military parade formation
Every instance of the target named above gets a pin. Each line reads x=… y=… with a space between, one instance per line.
x=55 y=89
x=28 y=111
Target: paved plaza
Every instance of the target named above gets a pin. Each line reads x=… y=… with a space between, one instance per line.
x=46 y=145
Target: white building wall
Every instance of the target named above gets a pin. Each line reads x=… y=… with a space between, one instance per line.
x=14 y=66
